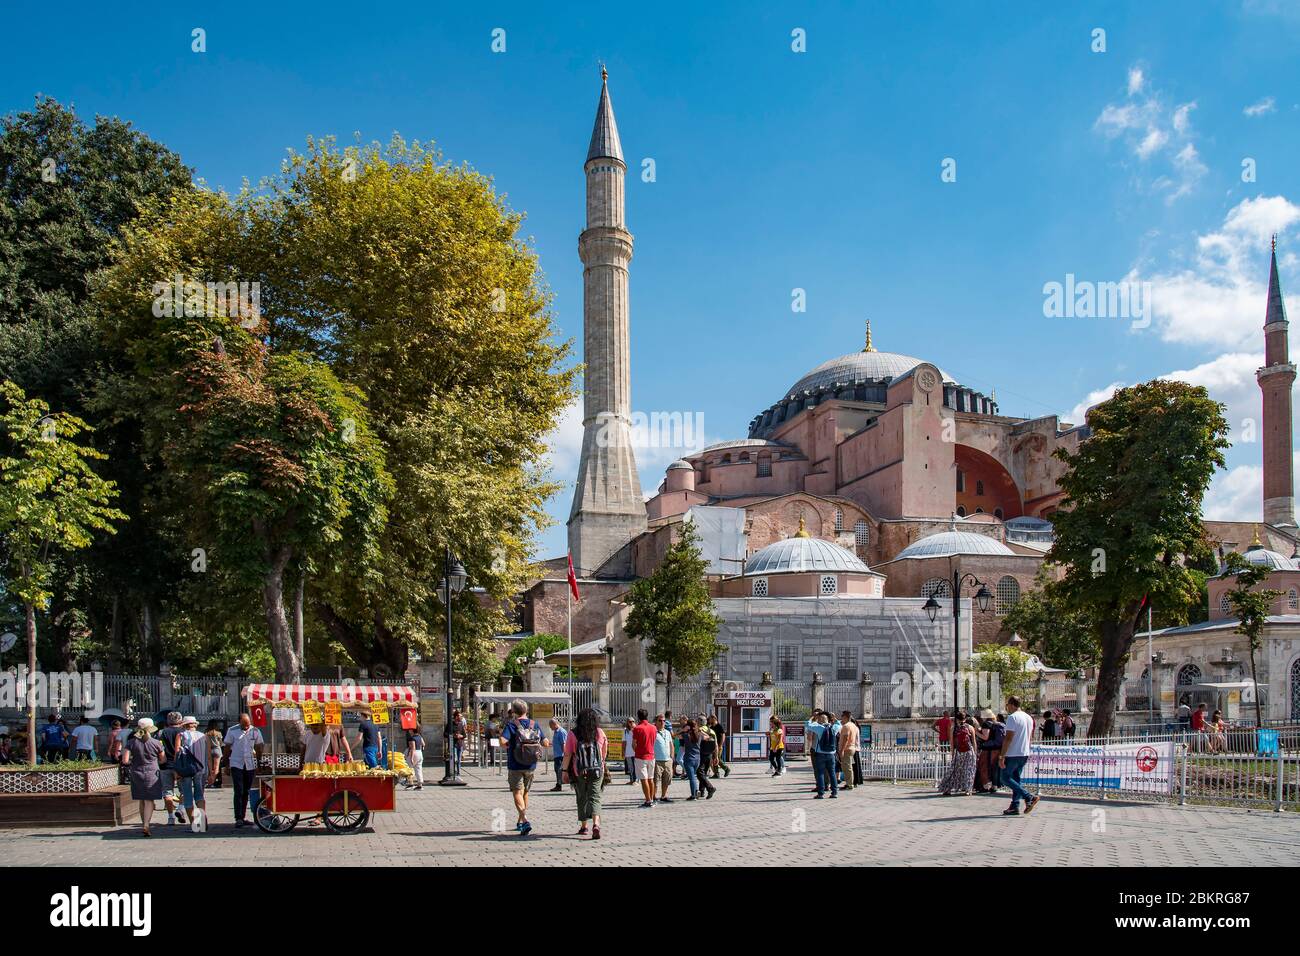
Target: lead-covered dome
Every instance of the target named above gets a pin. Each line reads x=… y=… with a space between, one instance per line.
x=804 y=554
x=954 y=542
x=858 y=368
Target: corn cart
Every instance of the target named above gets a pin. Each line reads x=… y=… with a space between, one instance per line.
x=344 y=794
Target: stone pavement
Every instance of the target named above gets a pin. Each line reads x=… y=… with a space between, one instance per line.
x=753 y=821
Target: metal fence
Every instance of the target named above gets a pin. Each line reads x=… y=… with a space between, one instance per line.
x=626 y=698
x=885 y=700
x=842 y=695
x=1237 y=768
x=793 y=699
x=582 y=694
x=689 y=700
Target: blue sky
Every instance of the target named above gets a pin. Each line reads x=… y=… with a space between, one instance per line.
x=778 y=170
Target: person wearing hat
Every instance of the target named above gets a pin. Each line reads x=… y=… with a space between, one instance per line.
x=142 y=759
x=195 y=743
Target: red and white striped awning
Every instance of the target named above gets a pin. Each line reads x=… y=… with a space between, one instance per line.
x=345 y=693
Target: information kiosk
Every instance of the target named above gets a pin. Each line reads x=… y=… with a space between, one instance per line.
x=745 y=714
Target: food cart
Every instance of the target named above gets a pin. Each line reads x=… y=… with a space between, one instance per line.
x=342 y=794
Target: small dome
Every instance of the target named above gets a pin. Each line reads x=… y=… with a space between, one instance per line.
x=954 y=542
x=858 y=367
x=803 y=554
x=1262 y=557
x=680 y=464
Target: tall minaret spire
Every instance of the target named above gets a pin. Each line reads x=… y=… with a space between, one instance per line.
x=1275 y=380
x=608 y=510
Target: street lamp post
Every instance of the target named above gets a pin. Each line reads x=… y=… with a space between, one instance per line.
x=453 y=582
x=983 y=596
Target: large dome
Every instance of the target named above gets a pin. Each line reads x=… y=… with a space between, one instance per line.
x=954 y=542
x=857 y=368
x=803 y=554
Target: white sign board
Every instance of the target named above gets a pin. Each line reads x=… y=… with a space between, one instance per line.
x=744 y=698
x=1137 y=767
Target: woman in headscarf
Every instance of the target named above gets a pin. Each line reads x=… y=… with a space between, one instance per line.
x=141 y=757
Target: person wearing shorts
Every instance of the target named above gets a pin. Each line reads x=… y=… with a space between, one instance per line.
x=663 y=758
x=519 y=775
x=192 y=787
x=643 y=755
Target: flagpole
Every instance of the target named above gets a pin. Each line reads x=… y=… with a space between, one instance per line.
x=568 y=608
x=1151 y=673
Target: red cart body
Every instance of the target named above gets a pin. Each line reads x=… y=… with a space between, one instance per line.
x=307 y=795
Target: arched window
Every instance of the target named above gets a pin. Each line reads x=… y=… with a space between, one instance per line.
x=1225 y=606
x=979 y=488
x=961 y=511
x=839 y=520
x=862 y=538
x=764 y=466
x=936 y=587
x=997 y=513
x=1008 y=594
x=1188 y=674
x=1295 y=690
x=744 y=456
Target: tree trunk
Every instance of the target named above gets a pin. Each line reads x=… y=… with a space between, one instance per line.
x=1259 y=712
x=298 y=639
x=369 y=650
x=1116 y=641
x=277 y=621
x=31 y=683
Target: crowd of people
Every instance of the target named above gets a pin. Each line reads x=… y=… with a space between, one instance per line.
x=989 y=751
x=1210 y=728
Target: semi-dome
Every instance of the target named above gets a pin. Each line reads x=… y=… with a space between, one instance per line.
x=947 y=543
x=803 y=554
x=858 y=368
x=1264 y=558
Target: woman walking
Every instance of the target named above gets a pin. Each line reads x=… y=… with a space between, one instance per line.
x=628 y=757
x=142 y=757
x=585 y=750
x=690 y=740
x=961 y=775
x=776 y=747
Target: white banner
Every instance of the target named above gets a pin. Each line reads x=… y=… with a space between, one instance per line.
x=1136 y=766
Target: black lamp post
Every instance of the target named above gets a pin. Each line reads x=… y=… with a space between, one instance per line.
x=453 y=582
x=982 y=597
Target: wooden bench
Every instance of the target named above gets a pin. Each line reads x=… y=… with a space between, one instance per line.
x=109 y=807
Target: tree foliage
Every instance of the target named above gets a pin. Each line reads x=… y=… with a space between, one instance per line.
x=1132 y=515
x=672 y=610
x=522 y=653
x=1008 y=663
x=1251 y=606
x=1061 y=636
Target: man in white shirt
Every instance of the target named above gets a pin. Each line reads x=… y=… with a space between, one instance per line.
x=243 y=746
x=1014 y=755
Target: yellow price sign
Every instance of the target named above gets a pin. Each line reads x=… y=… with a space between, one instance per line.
x=311 y=712
x=333 y=713
x=379 y=712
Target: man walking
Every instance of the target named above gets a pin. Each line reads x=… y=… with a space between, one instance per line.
x=720 y=733
x=522 y=740
x=83 y=736
x=643 y=755
x=558 y=736
x=663 y=757
x=823 y=744
x=1014 y=756
x=170 y=735
x=243 y=747
x=848 y=747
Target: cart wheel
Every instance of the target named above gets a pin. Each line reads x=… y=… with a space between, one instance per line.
x=345 y=812
x=269 y=822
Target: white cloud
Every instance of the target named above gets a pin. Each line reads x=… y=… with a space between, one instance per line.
x=1077 y=415
x=1152 y=129
x=1235 y=495
x=1230 y=379
x=565 y=442
x=1218 y=300
x=1266 y=105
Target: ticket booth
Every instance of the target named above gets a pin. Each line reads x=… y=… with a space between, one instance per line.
x=745 y=714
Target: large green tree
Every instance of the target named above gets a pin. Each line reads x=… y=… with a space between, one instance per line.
x=51 y=500
x=67 y=189
x=1061 y=635
x=1132 y=516
x=1251 y=605
x=672 y=610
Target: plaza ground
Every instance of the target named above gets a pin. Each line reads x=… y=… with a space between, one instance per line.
x=754 y=820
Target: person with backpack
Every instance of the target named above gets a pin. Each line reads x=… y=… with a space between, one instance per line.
x=522 y=740
x=54 y=740
x=585 y=751
x=169 y=736
x=191 y=767
x=825 y=744
x=961 y=775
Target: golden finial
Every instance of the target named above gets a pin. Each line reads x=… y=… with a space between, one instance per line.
x=1257 y=544
x=803 y=529
x=869 y=347
x=604 y=73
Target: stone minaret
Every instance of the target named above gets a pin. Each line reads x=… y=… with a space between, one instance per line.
x=1275 y=380
x=608 y=510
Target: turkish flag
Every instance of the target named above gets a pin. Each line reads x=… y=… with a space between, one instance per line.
x=573 y=581
x=408 y=718
x=258 y=715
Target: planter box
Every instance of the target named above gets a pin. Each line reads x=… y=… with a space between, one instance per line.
x=58 y=781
